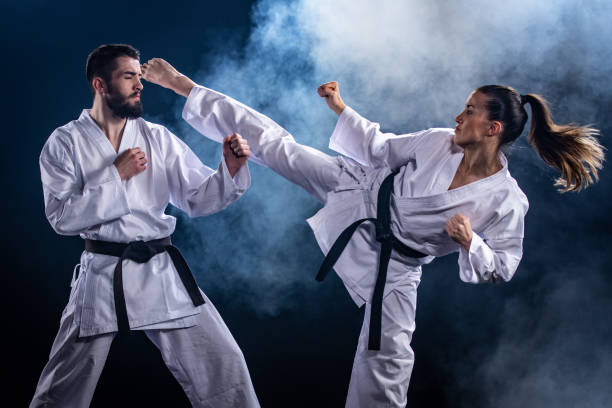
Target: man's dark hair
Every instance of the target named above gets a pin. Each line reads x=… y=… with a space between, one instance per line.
x=101 y=61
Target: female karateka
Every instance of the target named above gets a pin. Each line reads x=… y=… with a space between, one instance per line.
x=401 y=200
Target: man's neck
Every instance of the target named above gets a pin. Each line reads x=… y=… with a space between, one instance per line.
x=111 y=125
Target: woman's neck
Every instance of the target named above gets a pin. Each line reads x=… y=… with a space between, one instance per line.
x=480 y=160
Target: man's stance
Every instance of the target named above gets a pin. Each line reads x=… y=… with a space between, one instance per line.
x=108 y=177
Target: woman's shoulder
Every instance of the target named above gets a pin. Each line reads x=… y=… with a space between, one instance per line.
x=434 y=142
x=437 y=136
x=514 y=193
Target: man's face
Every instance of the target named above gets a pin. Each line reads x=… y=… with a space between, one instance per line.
x=123 y=95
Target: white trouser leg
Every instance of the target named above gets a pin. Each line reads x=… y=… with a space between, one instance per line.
x=381 y=378
x=207 y=362
x=70 y=377
x=215 y=115
x=316 y=172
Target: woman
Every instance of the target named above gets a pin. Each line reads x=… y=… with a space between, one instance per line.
x=446 y=191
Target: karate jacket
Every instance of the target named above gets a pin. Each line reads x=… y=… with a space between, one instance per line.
x=85 y=196
x=420 y=205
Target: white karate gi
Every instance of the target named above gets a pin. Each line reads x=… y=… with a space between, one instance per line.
x=85 y=196
x=420 y=207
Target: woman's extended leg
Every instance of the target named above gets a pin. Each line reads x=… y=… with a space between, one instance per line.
x=216 y=115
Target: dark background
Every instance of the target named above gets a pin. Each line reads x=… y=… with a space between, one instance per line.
x=541 y=339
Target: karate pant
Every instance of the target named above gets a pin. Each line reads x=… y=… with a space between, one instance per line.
x=204 y=359
x=379 y=378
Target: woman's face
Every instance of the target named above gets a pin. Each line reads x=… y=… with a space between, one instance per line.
x=473 y=125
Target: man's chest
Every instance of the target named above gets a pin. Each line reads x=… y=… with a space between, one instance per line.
x=95 y=154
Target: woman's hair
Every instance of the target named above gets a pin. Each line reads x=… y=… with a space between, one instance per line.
x=573 y=150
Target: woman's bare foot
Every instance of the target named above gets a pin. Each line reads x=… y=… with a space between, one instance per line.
x=160 y=72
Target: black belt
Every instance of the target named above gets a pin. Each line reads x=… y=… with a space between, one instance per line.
x=141 y=252
x=388 y=243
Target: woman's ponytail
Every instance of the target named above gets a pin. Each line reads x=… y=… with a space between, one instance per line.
x=573 y=150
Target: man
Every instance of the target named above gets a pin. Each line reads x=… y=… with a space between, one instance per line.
x=108 y=177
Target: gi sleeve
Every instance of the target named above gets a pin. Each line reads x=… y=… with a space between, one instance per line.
x=496 y=255
x=194 y=187
x=72 y=205
x=361 y=140
x=490 y=261
x=216 y=115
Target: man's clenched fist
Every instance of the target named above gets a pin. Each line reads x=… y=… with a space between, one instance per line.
x=130 y=163
x=236 y=152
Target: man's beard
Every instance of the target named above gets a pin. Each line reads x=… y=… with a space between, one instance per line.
x=120 y=106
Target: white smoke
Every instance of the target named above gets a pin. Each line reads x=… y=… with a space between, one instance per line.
x=411 y=65
x=408 y=65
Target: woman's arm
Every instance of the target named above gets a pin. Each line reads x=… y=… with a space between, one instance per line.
x=491 y=259
x=331 y=92
x=362 y=140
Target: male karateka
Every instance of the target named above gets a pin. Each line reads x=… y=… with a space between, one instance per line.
x=108 y=177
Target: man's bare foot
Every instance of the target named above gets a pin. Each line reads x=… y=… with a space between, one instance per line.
x=160 y=72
